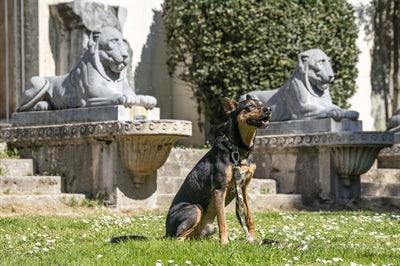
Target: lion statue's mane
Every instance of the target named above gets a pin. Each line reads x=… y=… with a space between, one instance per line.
x=98 y=79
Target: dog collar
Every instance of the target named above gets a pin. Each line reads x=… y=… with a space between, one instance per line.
x=235 y=149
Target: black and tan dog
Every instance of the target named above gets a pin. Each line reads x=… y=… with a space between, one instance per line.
x=210 y=186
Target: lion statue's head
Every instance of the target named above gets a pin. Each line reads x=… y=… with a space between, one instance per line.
x=317 y=70
x=111 y=52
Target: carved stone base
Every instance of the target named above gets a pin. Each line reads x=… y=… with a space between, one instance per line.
x=114 y=160
x=310 y=126
x=390 y=157
x=324 y=167
x=83 y=115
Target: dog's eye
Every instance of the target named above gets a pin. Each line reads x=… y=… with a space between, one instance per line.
x=250 y=108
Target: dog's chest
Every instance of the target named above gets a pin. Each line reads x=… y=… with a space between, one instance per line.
x=244 y=173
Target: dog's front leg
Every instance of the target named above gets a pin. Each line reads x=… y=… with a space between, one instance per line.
x=219 y=196
x=247 y=213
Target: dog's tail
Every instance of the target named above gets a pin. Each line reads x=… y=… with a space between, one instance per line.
x=118 y=239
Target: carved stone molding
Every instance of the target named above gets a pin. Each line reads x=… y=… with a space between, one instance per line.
x=109 y=129
x=391 y=151
x=137 y=148
x=325 y=139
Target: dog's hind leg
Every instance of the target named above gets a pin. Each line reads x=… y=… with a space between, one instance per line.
x=184 y=221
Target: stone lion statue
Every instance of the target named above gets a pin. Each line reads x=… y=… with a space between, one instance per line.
x=306 y=94
x=394 y=122
x=98 y=79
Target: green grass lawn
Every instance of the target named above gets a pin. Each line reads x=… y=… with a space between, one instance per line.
x=309 y=238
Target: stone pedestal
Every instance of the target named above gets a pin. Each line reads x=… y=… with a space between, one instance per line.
x=390 y=157
x=83 y=115
x=111 y=160
x=325 y=166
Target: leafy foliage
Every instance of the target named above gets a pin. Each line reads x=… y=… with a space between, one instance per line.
x=227 y=48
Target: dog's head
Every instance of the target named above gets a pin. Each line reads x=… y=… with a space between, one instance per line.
x=251 y=111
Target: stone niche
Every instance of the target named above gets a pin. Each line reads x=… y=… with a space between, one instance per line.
x=113 y=160
x=322 y=159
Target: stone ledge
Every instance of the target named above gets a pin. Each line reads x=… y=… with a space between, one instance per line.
x=30 y=185
x=43 y=201
x=310 y=126
x=378 y=203
x=80 y=115
x=108 y=129
x=325 y=139
x=16 y=167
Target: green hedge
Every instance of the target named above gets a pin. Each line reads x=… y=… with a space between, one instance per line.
x=231 y=47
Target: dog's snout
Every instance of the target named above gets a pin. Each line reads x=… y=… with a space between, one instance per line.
x=267 y=109
x=331 y=78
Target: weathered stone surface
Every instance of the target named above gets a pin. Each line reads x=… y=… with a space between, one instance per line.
x=48 y=201
x=380 y=189
x=379 y=203
x=97 y=131
x=389 y=157
x=181 y=162
x=115 y=160
x=84 y=115
x=310 y=126
x=30 y=184
x=364 y=138
x=16 y=167
x=381 y=175
x=324 y=167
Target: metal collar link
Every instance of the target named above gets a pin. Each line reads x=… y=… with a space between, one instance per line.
x=235 y=151
x=240 y=179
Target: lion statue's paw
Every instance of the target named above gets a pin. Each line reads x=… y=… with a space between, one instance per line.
x=147 y=101
x=128 y=100
x=139 y=100
x=350 y=114
x=339 y=114
x=41 y=106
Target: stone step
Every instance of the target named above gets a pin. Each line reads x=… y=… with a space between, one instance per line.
x=381 y=176
x=187 y=155
x=16 y=167
x=170 y=185
x=30 y=185
x=258 y=202
x=181 y=161
x=380 y=189
x=379 y=203
x=40 y=202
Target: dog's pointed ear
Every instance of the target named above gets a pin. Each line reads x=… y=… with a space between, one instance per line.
x=228 y=105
